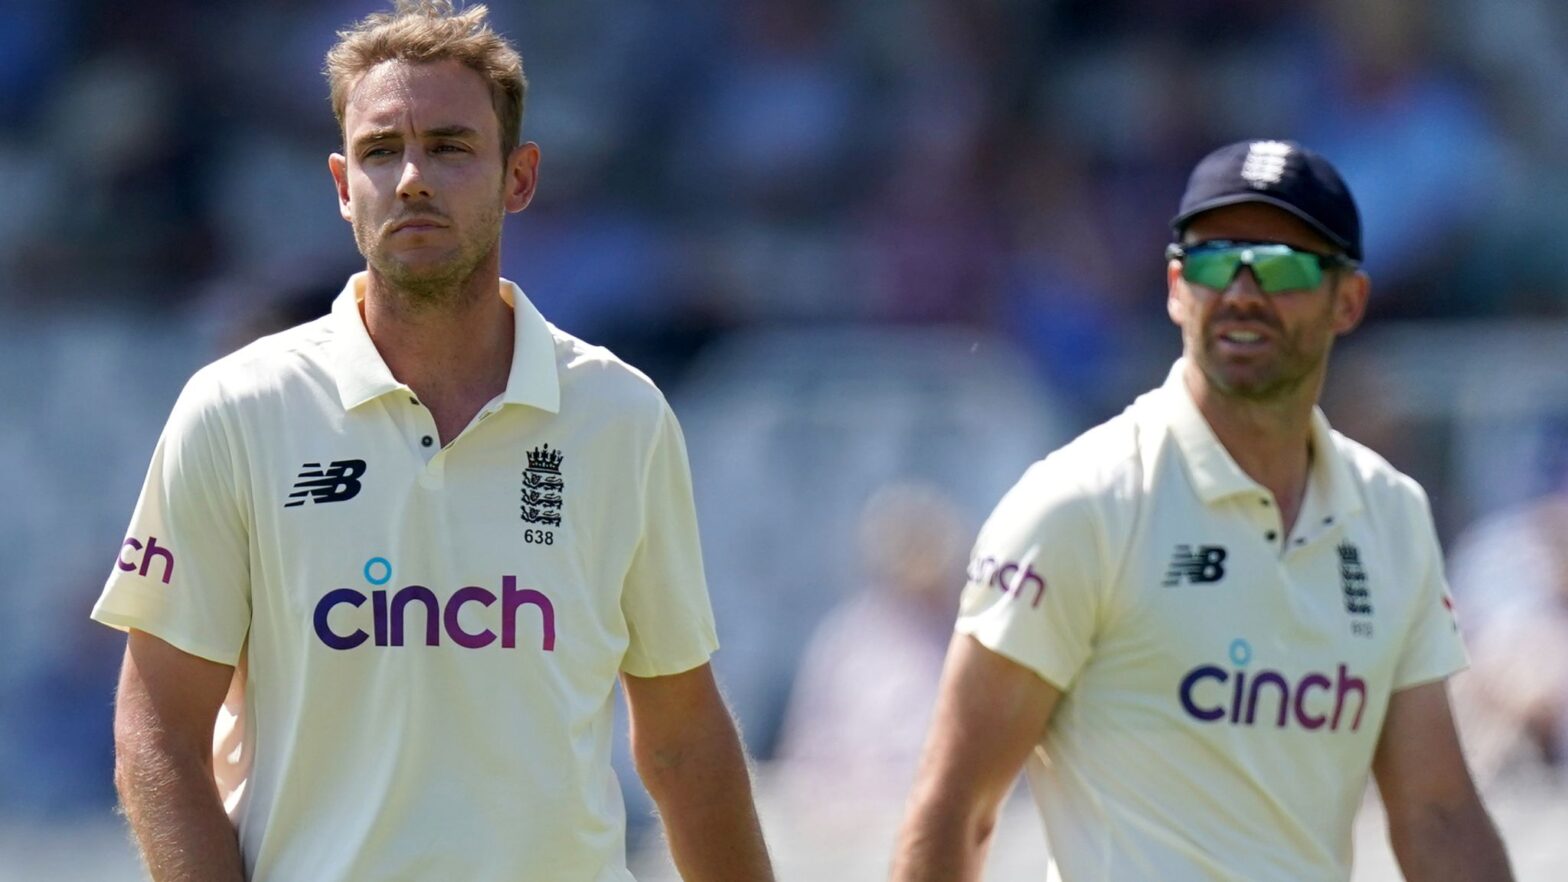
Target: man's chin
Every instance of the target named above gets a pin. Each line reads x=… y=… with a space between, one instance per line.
x=1253 y=381
x=418 y=274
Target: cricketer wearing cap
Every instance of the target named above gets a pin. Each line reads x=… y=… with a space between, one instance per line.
x=429 y=531
x=1202 y=624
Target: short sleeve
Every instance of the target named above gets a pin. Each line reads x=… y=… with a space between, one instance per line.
x=1433 y=648
x=1034 y=590
x=183 y=571
x=665 y=595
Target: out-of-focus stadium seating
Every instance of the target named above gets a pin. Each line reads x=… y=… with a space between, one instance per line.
x=791 y=431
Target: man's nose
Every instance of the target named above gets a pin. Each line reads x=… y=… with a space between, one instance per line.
x=413 y=185
x=1243 y=286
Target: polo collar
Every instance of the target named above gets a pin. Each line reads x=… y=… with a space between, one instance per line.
x=1215 y=475
x=363 y=376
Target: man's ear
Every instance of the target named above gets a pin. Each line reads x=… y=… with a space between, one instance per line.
x=1351 y=294
x=522 y=176
x=1175 y=301
x=338 y=164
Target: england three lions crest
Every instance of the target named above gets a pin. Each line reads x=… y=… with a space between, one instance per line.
x=1358 y=596
x=543 y=488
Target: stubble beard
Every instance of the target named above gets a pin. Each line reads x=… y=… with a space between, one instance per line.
x=436 y=285
x=1282 y=377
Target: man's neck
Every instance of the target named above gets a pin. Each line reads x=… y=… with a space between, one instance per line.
x=1270 y=440
x=454 y=350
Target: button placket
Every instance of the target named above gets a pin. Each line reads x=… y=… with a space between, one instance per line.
x=424 y=431
x=1325 y=526
x=1271 y=519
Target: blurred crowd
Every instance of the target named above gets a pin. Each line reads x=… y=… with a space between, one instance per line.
x=1003 y=163
x=716 y=171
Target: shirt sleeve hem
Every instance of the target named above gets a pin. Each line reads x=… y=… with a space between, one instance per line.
x=167 y=633
x=1424 y=677
x=1051 y=673
x=670 y=667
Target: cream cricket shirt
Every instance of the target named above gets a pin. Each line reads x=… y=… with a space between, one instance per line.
x=1223 y=684
x=433 y=633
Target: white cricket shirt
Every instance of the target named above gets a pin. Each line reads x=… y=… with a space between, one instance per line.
x=1223 y=684
x=430 y=635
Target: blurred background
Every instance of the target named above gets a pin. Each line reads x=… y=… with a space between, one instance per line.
x=880 y=254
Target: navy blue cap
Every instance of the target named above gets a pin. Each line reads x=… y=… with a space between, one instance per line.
x=1279 y=173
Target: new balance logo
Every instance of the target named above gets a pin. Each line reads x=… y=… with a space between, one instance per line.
x=335 y=483
x=1204 y=565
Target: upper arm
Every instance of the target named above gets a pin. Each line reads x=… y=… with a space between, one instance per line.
x=1026 y=626
x=168 y=696
x=1419 y=764
x=668 y=712
x=991 y=712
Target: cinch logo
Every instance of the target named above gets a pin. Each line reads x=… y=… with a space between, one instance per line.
x=149 y=551
x=1308 y=700
x=388 y=614
x=1005 y=577
x=337 y=482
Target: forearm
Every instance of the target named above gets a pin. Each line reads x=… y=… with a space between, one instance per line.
x=1459 y=844
x=940 y=843
x=703 y=790
x=173 y=808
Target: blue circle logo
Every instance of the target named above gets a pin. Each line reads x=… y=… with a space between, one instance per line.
x=386 y=570
x=1240 y=652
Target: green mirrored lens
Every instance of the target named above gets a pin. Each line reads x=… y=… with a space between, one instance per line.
x=1279 y=268
x=1213 y=268
x=1276 y=267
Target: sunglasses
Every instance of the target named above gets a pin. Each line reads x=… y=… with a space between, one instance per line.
x=1277 y=267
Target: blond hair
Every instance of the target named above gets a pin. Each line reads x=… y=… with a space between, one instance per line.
x=422 y=31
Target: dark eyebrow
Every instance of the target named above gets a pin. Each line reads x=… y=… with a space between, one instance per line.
x=378 y=135
x=452 y=131
x=375 y=136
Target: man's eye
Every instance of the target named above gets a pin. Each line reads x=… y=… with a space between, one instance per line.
x=450 y=148
x=377 y=151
